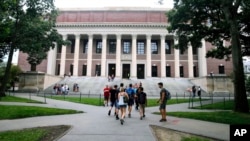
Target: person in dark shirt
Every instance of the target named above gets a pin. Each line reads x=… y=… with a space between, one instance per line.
x=112 y=98
x=163 y=102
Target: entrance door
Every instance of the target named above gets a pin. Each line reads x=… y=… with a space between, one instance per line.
x=111 y=70
x=154 y=71
x=181 y=71
x=140 y=71
x=126 y=70
x=168 y=71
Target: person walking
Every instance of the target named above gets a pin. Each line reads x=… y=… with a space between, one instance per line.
x=162 y=101
x=142 y=101
x=106 y=95
x=123 y=99
x=112 y=98
x=131 y=94
x=194 y=90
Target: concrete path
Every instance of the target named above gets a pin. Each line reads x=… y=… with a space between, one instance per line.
x=96 y=125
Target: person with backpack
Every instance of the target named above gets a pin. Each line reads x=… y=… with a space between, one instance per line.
x=162 y=101
x=142 y=101
x=131 y=93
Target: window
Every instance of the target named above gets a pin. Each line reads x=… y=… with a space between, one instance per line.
x=168 y=71
x=126 y=47
x=84 y=70
x=194 y=50
x=85 y=46
x=167 y=47
x=72 y=47
x=71 y=68
x=154 y=47
x=221 y=69
x=98 y=46
x=112 y=46
x=140 y=47
x=59 y=48
x=97 y=70
x=181 y=71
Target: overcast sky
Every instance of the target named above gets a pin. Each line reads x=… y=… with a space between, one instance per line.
x=112 y=3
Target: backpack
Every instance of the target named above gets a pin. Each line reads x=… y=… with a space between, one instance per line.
x=142 y=98
x=130 y=92
x=168 y=95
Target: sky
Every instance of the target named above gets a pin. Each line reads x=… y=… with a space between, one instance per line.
x=112 y=3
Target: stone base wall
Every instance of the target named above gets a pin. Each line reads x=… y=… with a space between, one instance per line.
x=217 y=85
x=36 y=81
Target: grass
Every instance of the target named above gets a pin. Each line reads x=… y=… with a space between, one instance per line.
x=193 y=139
x=23 y=135
x=99 y=102
x=15 y=112
x=227 y=117
x=17 y=99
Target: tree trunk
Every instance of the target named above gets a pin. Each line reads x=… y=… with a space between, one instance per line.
x=240 y=97
x=7 y=71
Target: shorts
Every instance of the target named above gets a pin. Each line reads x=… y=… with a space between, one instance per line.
x=130 y=102
x=163 y=105
x=106 y=98
x=122 y=106
x=113 y=103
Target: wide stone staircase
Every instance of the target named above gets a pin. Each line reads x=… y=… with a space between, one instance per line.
x=94 y=85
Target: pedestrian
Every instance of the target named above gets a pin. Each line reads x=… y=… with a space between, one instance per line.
x=131 y=94
x=199 y=92
x=142 y=100
x=123 y=99
x=162 y=101
x=112 y=99
x=194 y=90
x=106 y=95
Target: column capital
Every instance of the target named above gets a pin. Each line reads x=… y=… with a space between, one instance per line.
x=149 y=36
x=77 y=35
x=163 y=36
x=65 y=36
x=134 y=35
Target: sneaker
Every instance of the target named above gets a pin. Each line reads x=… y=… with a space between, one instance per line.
x=121 y=121
x=163 y=120
x=117 y=118
x=129 y=115
x=144 y=116
x=141 y=118
x=109 y=112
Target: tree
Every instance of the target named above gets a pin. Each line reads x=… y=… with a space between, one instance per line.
x=215 y=21
x=29 y=25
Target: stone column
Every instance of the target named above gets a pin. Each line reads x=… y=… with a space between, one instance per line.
x=89 y=61
x=104 y=54
x=176 y=60
x=163 y=57
x=202 y=61
x=148 y=64
x=118 y=56
x=133 y=64
x=51 y=66
x=63 y=57
x=190 y=62
x=76 y=55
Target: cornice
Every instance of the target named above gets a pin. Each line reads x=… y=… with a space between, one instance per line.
x=124 y=25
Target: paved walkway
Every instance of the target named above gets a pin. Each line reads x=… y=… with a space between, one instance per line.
x=96 y=125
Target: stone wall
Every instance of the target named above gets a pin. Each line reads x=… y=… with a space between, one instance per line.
x=218 y=85
x=36 y=81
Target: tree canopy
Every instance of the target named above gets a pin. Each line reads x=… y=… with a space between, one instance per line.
x=215 y=21
x=27 y=25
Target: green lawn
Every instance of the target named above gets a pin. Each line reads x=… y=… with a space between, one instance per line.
x=15 y=112
x=17 y=99
x=99 y=102
x=227 y=117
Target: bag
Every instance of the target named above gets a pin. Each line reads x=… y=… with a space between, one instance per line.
x=168 y=95
x=125 y=99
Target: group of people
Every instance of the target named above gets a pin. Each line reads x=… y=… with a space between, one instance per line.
x=61 y=89
x=122 y=100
